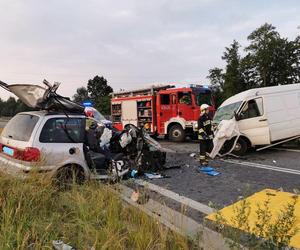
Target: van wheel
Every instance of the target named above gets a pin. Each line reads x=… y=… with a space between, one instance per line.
x=68 y=176
x=241 y=147
x=176 y=133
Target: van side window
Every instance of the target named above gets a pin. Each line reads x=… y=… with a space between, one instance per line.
x=253 y=108
x=185 y=98
x=165 y=99
x=63 y=130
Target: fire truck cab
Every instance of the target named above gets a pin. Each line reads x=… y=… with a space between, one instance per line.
x=162 y=110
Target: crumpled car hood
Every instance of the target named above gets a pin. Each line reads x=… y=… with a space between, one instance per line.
x=38 y=97
x=31 y=95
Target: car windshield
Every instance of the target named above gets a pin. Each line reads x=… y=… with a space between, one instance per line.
x=20 y=127
x=204 y=98
x=226 y=112
x=98 y=116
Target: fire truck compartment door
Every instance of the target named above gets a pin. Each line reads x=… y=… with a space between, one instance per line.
x=129 y=112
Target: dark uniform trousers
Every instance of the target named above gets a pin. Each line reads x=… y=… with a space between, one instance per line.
x=205 y=137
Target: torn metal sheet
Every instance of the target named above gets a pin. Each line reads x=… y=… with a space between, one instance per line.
x=38 y=97
x=226 y=130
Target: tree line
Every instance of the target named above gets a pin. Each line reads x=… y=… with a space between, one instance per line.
x=268 y=60
x=11 y=106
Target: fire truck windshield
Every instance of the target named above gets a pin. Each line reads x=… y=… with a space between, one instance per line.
x=203 y=98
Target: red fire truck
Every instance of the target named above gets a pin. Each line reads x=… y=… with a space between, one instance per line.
x=162 y=110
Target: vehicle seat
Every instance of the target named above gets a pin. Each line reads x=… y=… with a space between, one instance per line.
x=99 y=160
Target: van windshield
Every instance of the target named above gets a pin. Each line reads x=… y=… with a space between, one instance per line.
x=226 y=112
x=20 y=127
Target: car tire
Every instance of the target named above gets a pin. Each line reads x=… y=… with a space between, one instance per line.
x=176 y=133
x=241 y=147
x=69 y=175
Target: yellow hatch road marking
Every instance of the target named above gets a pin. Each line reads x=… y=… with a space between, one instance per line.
x=278 y=201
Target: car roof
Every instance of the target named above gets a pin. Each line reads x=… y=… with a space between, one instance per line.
x=48 y=113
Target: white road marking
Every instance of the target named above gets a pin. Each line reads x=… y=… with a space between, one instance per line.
x=287 y=149
x=177 y=197
x=257 y=165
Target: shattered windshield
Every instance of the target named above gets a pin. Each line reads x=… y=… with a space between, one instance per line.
x=226 y=112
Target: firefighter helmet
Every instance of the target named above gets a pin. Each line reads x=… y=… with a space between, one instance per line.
x=204 y=106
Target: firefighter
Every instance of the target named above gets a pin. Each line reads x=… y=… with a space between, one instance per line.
x=205 y=134
x=185 y=99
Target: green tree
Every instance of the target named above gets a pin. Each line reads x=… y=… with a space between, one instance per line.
x=233 y=83
x=270 y=60
x=274 y=58
x=81 y=95
x=263 y=44
x=216 y=77
x=21 y=107
x=249 y=75
x=99 y=91
x=9 y=107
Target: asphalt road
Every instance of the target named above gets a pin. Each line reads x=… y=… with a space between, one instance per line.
x=273 y=168
x=276 y=169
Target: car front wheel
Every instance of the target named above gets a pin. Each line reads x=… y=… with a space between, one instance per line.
x=68 y=176
x=240 y=148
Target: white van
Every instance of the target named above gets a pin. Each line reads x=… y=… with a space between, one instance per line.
x=264 y=115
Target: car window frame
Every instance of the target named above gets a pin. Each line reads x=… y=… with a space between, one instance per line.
x=65 y=118
x=32 y=132
x=184 y=93
x=246 y=102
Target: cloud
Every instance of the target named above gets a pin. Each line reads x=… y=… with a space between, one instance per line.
x=131 y=43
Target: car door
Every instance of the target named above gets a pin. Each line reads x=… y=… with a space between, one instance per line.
x=61 y=141
x=165 y=109
x=186 y=106
x=253 y=122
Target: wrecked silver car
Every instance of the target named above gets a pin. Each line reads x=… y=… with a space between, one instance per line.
x=60 y=140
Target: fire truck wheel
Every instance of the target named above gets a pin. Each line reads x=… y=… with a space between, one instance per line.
x=176 y=133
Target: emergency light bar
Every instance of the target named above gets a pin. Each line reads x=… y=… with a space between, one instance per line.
x=87 y=104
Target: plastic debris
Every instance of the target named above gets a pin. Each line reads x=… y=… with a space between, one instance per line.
x=192 y=155
x=135 y=196
x=274 y=161
x=140 y=196
x=152 y=176
x=60 y=245
x=209 y=171
x=213 y=173
x=134 y=173
x=206 y=169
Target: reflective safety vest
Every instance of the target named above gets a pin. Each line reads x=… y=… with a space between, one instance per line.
x=205 y=127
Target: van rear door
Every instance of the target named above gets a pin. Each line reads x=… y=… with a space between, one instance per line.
x=253 y=122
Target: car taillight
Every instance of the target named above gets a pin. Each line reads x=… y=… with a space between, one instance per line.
x=1 y=146
x=31 y=154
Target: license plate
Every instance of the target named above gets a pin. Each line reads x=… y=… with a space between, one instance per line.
x=8 y=151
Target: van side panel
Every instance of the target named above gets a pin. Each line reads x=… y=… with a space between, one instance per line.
x=283 y=113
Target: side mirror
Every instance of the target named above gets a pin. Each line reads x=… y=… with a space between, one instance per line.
x=236 y=116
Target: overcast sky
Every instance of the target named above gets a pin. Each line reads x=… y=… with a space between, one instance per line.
x=131 y=43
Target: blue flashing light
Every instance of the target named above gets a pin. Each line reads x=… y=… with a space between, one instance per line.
x=87 y=104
